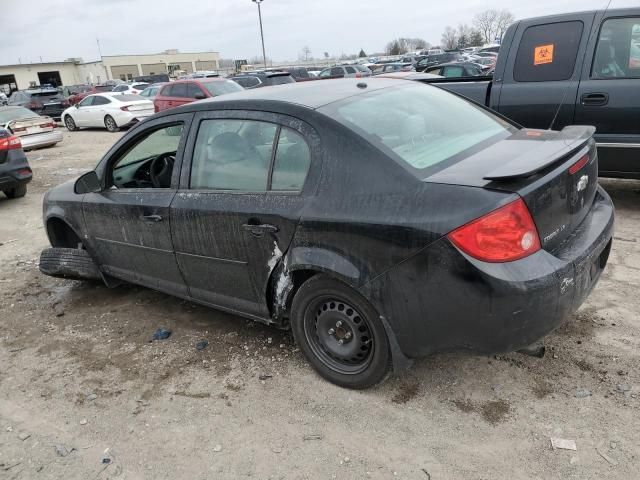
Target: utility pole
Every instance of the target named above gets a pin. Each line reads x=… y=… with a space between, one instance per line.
x=99 y=51
x=264 y=55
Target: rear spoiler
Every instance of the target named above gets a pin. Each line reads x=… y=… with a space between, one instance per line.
x=552 y=146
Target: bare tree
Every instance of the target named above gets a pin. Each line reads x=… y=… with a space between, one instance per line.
x=449 y=39
x=493 y=23
x=305 y=53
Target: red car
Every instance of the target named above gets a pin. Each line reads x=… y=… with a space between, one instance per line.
x=182 y=92
x=86 y=90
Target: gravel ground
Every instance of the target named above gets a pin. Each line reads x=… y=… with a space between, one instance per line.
x=84 y=393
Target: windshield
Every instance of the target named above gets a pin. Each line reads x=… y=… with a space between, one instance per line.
x=15 y=113
x=221 y=87
x=421 y=125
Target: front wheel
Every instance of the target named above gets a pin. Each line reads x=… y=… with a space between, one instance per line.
x=340 y=333
x=111 y=124
x=70 y=123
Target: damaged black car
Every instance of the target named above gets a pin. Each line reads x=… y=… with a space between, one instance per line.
x=381 y=220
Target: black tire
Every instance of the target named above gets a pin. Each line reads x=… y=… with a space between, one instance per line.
x=69 y=263
x=323 y=305
x=17 y=192
x=70 y=123
x=111 y=124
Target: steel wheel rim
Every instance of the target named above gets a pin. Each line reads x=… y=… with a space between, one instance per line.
x=328 y=320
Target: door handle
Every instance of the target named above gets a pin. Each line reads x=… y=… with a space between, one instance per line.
x=594 y=99
x=152 y=218
x=260 y=230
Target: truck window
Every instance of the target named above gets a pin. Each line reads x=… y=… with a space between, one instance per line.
x=548 y=52
x=618 y=51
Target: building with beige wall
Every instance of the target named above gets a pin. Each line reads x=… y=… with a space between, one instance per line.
x=127 y=67
x=70 y=72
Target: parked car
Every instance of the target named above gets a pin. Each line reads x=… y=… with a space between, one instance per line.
x=413 y=59
x=299 y=74
x=344 y=71
x=151 y=91
x=3 y=99
x=553 y=71
x=15 y=172
x=458 y=70
x=90 y=90
x=44 y=101
x=354 y=212
x=394 y=67
x=182 y=92
x=107 y=110
x=409 y=75
x=129 y=88
x=438 y=59
x=263 y=79
x=33 y=130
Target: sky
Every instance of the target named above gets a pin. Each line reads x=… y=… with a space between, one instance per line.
x=56 y=30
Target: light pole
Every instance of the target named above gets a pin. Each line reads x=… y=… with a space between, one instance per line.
x=264 y=55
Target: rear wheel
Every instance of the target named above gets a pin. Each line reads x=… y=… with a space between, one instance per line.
x=70 y=123
x=17 y=192
x=111 y=124
x=340 y=333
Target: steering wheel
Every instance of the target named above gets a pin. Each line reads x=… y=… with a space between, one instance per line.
x=161 y=169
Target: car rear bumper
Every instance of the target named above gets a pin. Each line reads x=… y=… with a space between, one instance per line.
x=37 y=140
x=444 y=300
x=14 y=171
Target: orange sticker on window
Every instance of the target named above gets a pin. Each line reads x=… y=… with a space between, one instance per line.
x=543 y=54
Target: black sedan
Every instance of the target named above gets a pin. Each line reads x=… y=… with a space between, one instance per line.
x=381 y=220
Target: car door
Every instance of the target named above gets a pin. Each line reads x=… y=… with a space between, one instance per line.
x=128 y=221
x=82 y=115
x=239 y=203
x=609 y=94
x=542 y=72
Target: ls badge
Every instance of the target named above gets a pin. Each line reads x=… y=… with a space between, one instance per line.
x=582 y=183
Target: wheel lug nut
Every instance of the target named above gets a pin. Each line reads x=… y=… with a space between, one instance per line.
x=331 y=331
x=347 y=335
x=338 y=323
x=340 y=342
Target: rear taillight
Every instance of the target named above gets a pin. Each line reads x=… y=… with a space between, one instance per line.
x=18 y=129
x=47 y=125
x=358 y=75
x=124 y=109
x=504 y=235
x=33 y=104
x=576 y=167
x=10 y=143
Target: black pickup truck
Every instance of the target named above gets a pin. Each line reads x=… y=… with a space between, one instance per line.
x=579 y=68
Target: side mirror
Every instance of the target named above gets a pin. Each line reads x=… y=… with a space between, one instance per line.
x=88 y=183
x=199 y=96
x=77 y=105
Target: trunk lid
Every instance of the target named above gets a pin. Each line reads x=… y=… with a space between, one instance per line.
x=30 y=126
x=556 y=174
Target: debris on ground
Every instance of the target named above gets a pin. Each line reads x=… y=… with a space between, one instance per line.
x=217 y=448
x=264 y=376
x=535 y=350
x=91 y=397
x=563 y=444
x=161 y=334
x=24 y=436
x=611 y=460
x=201 y=345
x=83 y=421
x=623 y=387
x=583 y=393
x=63 y=451
x=313 y=436
x=58 y=310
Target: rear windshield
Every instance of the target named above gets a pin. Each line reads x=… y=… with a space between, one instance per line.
x=409 y=123
x=281 y=80
x=44 y=94
x=222 y=87
x=104 y=88
x=127 y=97
x=15 y=113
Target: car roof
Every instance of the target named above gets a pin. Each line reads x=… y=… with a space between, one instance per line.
x=311 y=95
x=199 y=80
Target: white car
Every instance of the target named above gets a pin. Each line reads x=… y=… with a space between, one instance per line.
x=33 y=130
x=129 y=88
x=107 y=110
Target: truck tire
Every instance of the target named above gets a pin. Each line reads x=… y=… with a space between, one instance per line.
x=69 y=263
x=17 y=192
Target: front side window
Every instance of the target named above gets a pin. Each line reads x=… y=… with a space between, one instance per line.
x=407 y=123
x=193 y=91
x=233 y=155
x=149 y=162
x=179 y=90
x=618 y=51
x=548 y=52
x=86 y=101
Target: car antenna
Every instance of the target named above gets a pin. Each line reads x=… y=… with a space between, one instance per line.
x=566 y=90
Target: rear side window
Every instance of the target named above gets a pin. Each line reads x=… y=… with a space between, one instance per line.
x=166 y=91
x=291 y=163
x=337 y=71
x=548 y=52
x=97 y=100
x=618 y=51
x=350 y=70
x=179 y=90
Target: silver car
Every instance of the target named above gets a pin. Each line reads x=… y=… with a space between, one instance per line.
x=33 y=130
x=345 y=71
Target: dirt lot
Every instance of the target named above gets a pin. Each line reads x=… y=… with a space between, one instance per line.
x=80 y=381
